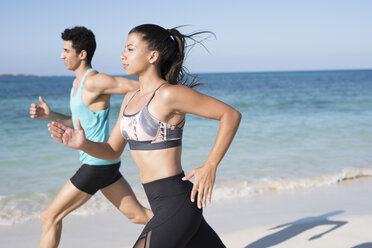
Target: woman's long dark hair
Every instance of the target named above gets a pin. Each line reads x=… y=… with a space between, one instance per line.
x=171 y=45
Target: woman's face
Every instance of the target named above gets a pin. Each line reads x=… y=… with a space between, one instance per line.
x=136 y=55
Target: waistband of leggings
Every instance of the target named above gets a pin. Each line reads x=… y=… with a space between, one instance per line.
x=167 y=186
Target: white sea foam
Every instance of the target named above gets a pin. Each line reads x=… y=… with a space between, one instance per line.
x=272 y=184
x=20 y=208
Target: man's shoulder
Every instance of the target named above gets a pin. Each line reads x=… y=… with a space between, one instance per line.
x=98 y=77
x=97 y=81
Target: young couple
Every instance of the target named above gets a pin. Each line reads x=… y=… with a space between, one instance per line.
x=151 y=120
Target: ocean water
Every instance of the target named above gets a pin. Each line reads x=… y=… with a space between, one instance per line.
x=299 y=130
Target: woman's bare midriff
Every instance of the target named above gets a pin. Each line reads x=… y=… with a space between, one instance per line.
x=158 y=164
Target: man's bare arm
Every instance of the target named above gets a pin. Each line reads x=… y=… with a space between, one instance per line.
x=106 y=84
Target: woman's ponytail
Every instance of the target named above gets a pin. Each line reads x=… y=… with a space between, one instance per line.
x=171 y=45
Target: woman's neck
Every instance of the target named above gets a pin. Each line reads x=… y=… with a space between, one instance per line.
x=149 y=82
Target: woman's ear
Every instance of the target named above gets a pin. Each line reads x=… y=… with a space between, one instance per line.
x=154 y=57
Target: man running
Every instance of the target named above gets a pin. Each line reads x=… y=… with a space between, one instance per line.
x=90 y=104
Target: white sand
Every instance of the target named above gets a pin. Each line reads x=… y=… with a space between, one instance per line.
x=342 y=212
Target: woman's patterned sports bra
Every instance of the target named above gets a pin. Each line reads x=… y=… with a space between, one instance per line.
x=143 y=132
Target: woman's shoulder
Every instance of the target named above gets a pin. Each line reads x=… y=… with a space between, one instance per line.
x=173 y=90
x=173 y=95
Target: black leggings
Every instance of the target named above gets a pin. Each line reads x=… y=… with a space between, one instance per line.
x=177 y=222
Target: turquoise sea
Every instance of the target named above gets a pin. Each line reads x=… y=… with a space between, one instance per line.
x=299 y=130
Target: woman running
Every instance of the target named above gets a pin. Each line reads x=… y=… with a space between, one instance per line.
x=151 y=121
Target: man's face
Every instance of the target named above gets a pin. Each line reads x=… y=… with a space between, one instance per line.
x=70 y=56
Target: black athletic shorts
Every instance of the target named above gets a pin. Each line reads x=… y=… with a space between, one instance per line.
x=91 y=178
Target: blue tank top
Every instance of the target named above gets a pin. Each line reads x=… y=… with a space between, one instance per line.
x=95 y=124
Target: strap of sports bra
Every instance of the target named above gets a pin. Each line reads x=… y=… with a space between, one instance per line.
x=130 y=100
x=179 y=124
x=153 y=94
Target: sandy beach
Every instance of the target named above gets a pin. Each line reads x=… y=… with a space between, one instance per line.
x=339 y=215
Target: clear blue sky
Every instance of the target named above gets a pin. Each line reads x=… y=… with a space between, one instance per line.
x=257 y=35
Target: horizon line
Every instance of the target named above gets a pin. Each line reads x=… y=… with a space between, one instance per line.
x=5 y=75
